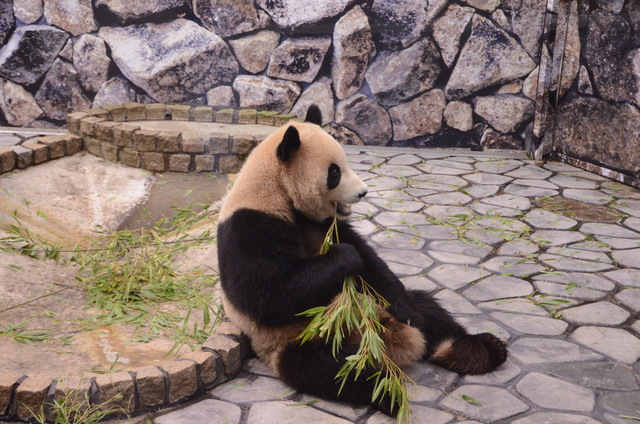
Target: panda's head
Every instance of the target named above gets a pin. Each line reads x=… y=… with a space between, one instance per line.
x=315 y=173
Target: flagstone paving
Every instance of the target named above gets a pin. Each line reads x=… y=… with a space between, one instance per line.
x=562 y=290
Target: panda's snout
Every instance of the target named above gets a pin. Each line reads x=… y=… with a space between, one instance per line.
x=362 y=193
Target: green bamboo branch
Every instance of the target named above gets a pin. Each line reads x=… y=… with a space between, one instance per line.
x=356 y=310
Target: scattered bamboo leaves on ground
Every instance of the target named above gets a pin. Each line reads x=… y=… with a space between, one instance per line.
x=463 y=397
x=22 y=241
x=307 y=403
x=21 y=335
x=508 y=229
x=75 y=407
x=550 y=305
x=133 y=279
x=356 y=310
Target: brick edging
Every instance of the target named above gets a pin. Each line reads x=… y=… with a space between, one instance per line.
x=110 y=133
x=143 y=389
x=37 y=150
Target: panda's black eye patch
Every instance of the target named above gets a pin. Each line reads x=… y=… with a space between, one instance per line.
x=333 y=176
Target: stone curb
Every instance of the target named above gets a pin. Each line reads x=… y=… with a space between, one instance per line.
x=143 y=390
x=37 y=150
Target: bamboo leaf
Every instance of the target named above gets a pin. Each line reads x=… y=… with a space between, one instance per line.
x=470 y=400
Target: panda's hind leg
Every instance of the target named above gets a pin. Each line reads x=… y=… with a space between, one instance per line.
x=448 y=343
x=312 y=368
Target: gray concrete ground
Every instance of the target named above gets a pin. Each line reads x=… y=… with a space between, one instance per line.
x=547 y=257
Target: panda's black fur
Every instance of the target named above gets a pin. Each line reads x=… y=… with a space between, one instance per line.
x=271 y=227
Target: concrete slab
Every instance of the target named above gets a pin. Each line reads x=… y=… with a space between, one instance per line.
x=64 y=201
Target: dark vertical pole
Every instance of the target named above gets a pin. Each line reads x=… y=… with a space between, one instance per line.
x=550 y=74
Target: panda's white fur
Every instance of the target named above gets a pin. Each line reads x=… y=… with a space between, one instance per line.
x=272 y=224
x=268 y=185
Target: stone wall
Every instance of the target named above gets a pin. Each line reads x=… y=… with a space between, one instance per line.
x=598 y=118
x=454 y=73
x=437 y=73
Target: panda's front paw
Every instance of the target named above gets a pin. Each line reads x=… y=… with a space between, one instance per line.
x=348 y=257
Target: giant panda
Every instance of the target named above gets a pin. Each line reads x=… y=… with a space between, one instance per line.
x=271 y=226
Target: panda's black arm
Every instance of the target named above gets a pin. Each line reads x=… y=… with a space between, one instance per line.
x=273 y=290
x=266 y=274
x=378 y=274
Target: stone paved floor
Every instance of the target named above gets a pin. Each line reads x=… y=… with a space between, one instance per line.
x=545 y=257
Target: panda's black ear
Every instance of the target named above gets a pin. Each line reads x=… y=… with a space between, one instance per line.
x=314 y=115
x=289 y=144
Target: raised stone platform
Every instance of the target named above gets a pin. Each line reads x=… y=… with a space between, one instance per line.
x=154 y=137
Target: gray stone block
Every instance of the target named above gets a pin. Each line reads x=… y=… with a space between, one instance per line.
x=193 y=144
x=156 y=111
x=179 y=163
x=533 y=350
x=202 y=412
x=123 y=135
x=494 y=403
x=247 y=116
x=179 y=112
x=153 y=161
x=40 y=151
x=243 y=145
x=103 y=129
x=206 y=365
x=55 y=144
x=205 y=163
x=219 y=143
x=229 y=164
x=109 y=152
x=259 y=390
x=229 y=350
x=30 y=394
x=73 y=144
x=183 y=380
x=557 y=394
x=144 y=140
x=73 y=121
x=598 y=375
x=135 y=111
x=117 y=389
x=150 y=387
x=614 y=342
x=168 y=141
x=203 y=114
x=24 y=156
x=87 y=125
x=73 y=391
x=94 y=146
x=130 y=157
